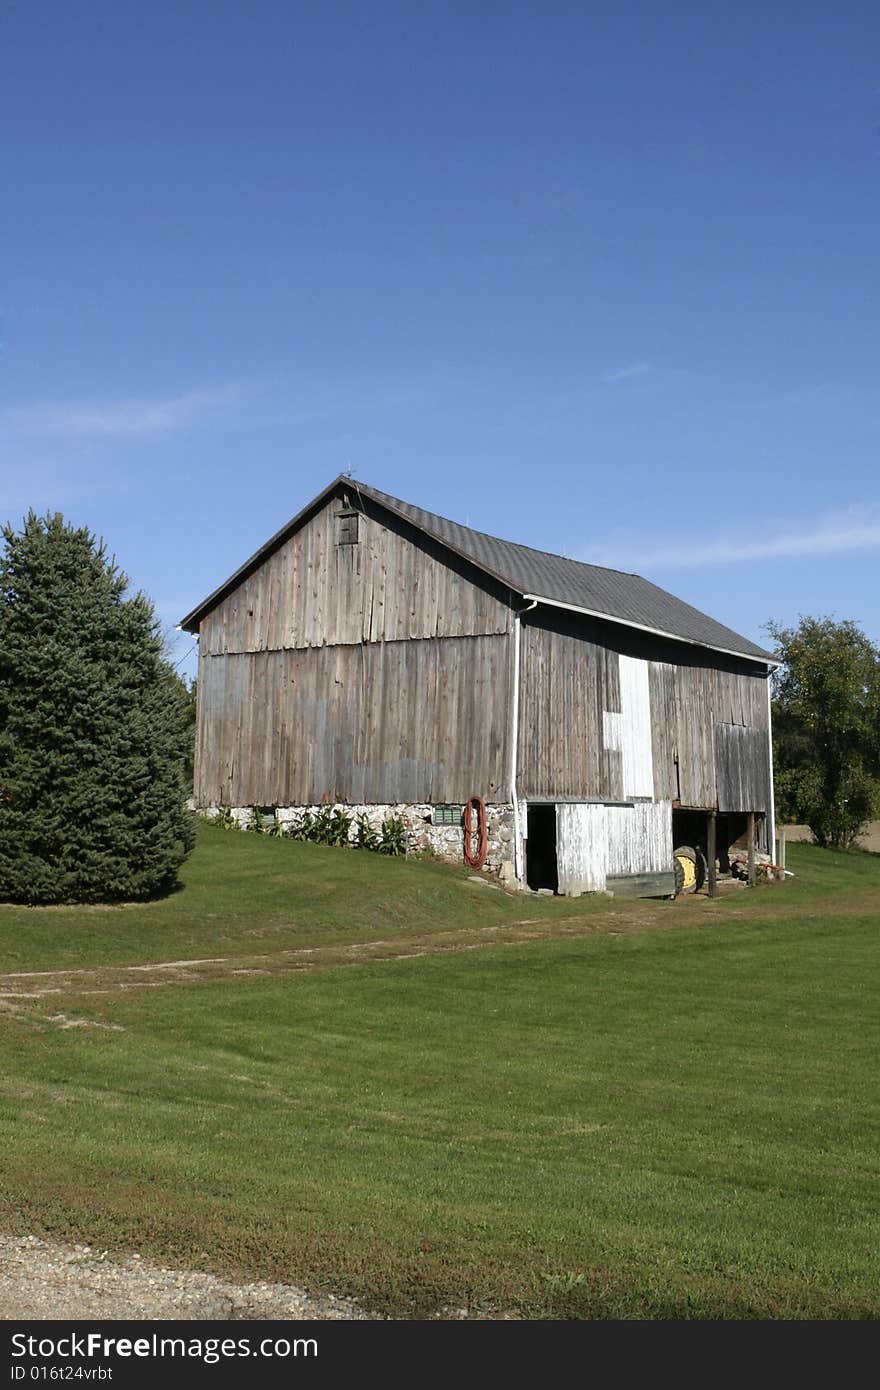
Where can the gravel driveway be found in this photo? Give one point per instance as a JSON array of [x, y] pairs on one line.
[[40, 1279]]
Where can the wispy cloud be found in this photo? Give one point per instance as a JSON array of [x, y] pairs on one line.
[[120, 418], [855, 529], [629, 372], [280, 399]]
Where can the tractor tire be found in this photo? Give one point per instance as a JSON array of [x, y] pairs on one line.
[[678, 874], [689, 867]]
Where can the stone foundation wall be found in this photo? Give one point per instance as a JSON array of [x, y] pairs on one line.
[[446, 841]]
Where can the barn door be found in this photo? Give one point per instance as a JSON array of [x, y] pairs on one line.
[[742, 767], [581, 848]]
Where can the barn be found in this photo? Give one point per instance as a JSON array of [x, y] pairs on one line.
[[375, 655]]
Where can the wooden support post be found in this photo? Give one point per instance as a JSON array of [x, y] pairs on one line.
[[711, 853], [751, 829]]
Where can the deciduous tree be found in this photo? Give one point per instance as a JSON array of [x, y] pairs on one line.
[[826, 728]]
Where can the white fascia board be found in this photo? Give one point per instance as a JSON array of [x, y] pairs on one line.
[[655, 631]]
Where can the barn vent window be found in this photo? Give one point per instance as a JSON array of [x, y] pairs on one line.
[[347, 526]]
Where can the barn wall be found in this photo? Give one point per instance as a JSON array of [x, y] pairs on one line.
[[566, 683], [612, 715], [419, 721], [392, 585]]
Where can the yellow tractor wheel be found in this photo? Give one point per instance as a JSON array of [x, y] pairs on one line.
[[689, 867]]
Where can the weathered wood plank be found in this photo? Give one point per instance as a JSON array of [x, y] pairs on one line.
[[642, 885], [596, 844], [393, 585], [742, 767], [397, 721], [581, 848], [604, 714], [639, 838]]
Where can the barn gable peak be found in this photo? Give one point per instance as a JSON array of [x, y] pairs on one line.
[[529, 574]]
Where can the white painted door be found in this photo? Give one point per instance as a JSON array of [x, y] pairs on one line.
[[581, 848]]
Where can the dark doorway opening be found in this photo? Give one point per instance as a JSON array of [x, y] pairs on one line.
[[541, 869], [689, 828]]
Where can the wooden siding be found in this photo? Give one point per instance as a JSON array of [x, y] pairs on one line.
[[565, 685], [705, 696], [662, 682], [575, 672], [419, 721], [381, 672], [639, 838], [742, 768], [581, 849], [394, 584], [596, 843]]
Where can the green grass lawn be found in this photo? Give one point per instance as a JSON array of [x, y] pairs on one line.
[[246, 893], [618, 1121]]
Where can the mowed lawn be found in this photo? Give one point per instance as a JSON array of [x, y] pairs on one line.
[[604, 1119], [244, 894]]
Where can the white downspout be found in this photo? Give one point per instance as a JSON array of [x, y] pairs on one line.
[[771, 827], [514, 741]]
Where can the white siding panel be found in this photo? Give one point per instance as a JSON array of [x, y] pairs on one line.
[[639, 838], [635, 728], [595, 843], [581, 841], [611, 730]]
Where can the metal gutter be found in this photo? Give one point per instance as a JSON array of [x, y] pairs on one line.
[[514, 741], [771, 809]]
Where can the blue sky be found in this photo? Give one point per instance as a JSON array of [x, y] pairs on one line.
[[599, 278]]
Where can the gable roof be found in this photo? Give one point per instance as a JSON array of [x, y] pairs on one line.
[[533, 574]]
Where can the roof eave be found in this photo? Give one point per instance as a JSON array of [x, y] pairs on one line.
[[765, 660]]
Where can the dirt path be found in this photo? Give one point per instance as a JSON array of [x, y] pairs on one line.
[[23, 990], [48, 996], [41, 1279]]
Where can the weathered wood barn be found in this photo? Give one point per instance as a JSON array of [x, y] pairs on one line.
[[376, 655]]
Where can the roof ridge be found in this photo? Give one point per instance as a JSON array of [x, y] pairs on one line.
[[502, 540]]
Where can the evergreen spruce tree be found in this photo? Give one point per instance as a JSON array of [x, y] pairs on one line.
[[93, 727]]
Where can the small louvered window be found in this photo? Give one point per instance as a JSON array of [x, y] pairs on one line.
[[447, 815]]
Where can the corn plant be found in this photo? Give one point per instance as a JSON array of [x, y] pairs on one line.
[[303, 828], [365, 836], [392, 836], [322, 826], [339, 829]]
